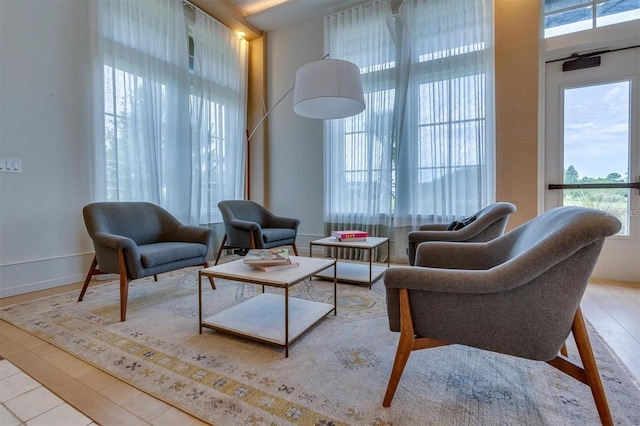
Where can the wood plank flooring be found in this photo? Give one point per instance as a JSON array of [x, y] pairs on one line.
[[98, 395], [612, 307]]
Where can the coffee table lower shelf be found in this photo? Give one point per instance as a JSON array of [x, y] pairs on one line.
[[262, 318], [352, 272]]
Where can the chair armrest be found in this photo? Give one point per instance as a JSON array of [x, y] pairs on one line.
[[281, 222], [112, 241], [245, 225], [434, 227], [502, 278], [439, 280], [420, 236], [476, 267], [455, 255], [194, 234]]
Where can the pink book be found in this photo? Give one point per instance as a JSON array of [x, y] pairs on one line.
[[350, 234]]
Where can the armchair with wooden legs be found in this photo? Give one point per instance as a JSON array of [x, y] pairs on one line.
[[485, 225], [248, 225], [518, 294], [137, 240]]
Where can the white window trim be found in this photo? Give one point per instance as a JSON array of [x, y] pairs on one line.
[[616, 36]]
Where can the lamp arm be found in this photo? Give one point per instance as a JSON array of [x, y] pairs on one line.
[[269, 112], [273, 107]]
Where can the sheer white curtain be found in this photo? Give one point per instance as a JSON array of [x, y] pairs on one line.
[[166, 131], [358, 150], [218, 105], [446, 111], [423, 150], [143, 109]]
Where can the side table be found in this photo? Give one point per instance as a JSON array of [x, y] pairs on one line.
[[353, 272]]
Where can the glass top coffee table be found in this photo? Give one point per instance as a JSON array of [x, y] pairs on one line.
[[270, 318]]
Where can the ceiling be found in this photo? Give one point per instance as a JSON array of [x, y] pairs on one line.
[[270, 15], [253, 17], [254, 6]]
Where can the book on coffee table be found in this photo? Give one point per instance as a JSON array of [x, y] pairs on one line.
[[267, 257], [350, 235], [275, 267]]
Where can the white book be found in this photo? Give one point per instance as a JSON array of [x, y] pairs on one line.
[[275, 267]]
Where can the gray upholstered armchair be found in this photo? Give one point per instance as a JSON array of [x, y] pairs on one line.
[[137, 240], [518, 294], [487, 224], [248, 225]]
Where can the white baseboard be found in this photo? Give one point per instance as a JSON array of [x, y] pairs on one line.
[[43, 274]]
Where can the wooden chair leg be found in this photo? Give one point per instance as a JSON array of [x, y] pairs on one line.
[[590, 368], [124, 286], [405, 346], [588, 372], [92, 272], [222, 245], [563, 350], [295, 249], [213, 285], [155, 277], [407, 343]]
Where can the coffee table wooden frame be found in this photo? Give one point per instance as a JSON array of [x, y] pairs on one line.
[[260, 318], [352, 272]]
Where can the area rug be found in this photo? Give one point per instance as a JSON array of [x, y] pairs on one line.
[[336, 374]]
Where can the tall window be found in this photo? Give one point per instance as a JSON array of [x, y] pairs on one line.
[[423, 149], [569, 16], [218, 111], [359, 149], [172, 116]]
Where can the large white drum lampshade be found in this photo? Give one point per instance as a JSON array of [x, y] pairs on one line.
[[328, 89]]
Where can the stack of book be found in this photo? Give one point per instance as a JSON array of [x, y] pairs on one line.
[[273, 259], [351, 235]]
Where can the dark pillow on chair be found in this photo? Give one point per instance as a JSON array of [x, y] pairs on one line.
[[459, 224]]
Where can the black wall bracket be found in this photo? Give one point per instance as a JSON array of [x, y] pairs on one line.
[[581, 63]]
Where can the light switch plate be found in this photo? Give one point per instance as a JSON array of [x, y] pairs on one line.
[[10, 165]]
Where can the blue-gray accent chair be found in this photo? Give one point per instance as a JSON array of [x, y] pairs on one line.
[[489, 223], [248, 225], [518, 294], [139, 239]]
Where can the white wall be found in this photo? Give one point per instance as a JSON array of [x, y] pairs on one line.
[[45, 121], [295, 153]]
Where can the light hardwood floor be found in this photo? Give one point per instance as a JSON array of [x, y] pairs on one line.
[[612, 307]]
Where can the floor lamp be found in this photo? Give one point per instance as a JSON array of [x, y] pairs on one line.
[[325, 89]]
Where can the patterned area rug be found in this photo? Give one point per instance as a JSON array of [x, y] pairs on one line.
[[335, 374]]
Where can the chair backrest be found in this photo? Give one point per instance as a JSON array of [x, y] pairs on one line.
[[242, 209], [490, 222], [552, 256], [143, 222], [561, 230]]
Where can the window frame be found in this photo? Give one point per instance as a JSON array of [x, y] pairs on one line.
[[594, 23]]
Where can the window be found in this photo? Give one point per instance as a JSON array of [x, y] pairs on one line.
[[173, 108], [124, 97], [597, 147], [367, 149], [569, 16], [218, 109], [422, 151], [451, 141]]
